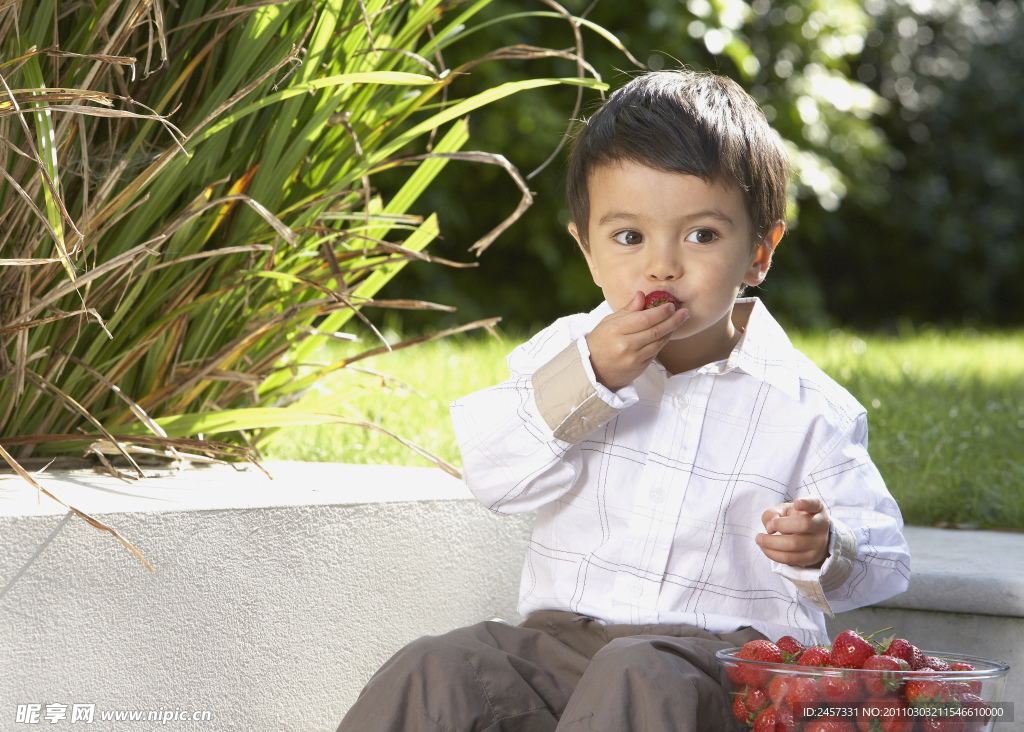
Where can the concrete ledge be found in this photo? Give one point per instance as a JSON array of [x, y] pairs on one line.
[[964, 572], [272, 602]]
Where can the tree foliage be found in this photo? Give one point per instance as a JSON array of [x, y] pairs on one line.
[[903, 120]]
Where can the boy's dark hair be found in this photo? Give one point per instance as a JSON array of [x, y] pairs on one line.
[[684, 122]]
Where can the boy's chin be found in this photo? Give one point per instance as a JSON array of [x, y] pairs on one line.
[[683, 332]]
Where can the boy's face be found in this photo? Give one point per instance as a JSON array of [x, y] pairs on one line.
[[652, 230]]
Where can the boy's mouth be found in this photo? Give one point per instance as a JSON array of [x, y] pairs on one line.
[[659, 297]]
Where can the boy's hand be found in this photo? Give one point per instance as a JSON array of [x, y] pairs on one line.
[[797, 533], [624, 343]]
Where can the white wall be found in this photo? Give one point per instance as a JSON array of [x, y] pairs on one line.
[[272, 601]]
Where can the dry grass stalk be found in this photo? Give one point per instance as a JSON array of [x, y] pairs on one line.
[[155, 284]]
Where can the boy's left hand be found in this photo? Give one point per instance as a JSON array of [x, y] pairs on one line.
[[797, 533]]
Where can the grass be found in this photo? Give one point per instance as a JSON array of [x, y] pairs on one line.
[[946, 413]]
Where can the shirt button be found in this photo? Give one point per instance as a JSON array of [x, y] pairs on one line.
[[681, 402], [638, 587], [657, 495]]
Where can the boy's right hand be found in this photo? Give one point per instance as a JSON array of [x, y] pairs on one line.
[[623, 345]]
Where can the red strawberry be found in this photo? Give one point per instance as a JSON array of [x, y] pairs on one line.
[[921, 690], [803, 695], [765, 721], [841, 691], [777, 688], [814, 656], [884, 714], [658, 297], [757, 699], [850, 649], [917, 661], [830, 724], [936, 664], [975, 685], [942, 724], [789, 645], [739, 709], [979, 715], [786, 720], [758, 650], [900, 648], [887, 679]]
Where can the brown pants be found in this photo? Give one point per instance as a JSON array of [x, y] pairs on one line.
[[558, 670]]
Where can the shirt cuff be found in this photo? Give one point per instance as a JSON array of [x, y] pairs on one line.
[[569, 398], [834, 571]]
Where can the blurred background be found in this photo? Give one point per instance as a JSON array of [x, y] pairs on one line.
[[905, 122]]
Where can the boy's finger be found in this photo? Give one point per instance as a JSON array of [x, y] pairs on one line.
[[631, 322], [809, 504], [661, 333], [773, 513], [799, 523], [635, 305]]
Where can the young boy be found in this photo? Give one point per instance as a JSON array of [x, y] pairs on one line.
[[697, 481]]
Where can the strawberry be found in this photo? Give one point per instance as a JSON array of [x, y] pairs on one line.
[[739, 708], [899, 648], [942, 724], [841, 691], [830, 724], [975, 686], [777, 688], [757, 699], [758, 650], [936, 664], [765, 721], [786, 720], [789, 646], [917, 662], [886, 680], [980, 712], [658, 297], [920, 690], [850, 649], [803, 695], [814, 656], [957, 689], [884, 714], [735, 672]]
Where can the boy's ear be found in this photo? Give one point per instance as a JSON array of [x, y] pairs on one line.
[[586, 252], [763, 256]]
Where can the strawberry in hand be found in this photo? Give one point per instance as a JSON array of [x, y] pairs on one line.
[[659, 297]]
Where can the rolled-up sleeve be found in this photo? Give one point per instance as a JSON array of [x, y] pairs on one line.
[[520, 439], [869, 560]]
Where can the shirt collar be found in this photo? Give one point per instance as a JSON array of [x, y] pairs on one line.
[[764, 352]]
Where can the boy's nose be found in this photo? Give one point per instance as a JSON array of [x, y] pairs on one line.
[[663, 263]]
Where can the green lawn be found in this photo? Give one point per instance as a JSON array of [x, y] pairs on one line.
[[946, 413]]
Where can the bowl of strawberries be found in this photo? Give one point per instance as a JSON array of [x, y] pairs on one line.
[[861, 685]]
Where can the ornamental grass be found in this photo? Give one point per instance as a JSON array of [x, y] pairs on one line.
[[188, 210]]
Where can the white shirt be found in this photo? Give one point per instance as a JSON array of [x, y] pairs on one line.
[[648, 499]]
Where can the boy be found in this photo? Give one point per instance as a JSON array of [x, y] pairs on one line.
[[654, 444]]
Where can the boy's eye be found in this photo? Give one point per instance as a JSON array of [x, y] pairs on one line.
[[702, 236], [629, 237]]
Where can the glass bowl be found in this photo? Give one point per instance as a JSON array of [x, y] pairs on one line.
[[852, 699]]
